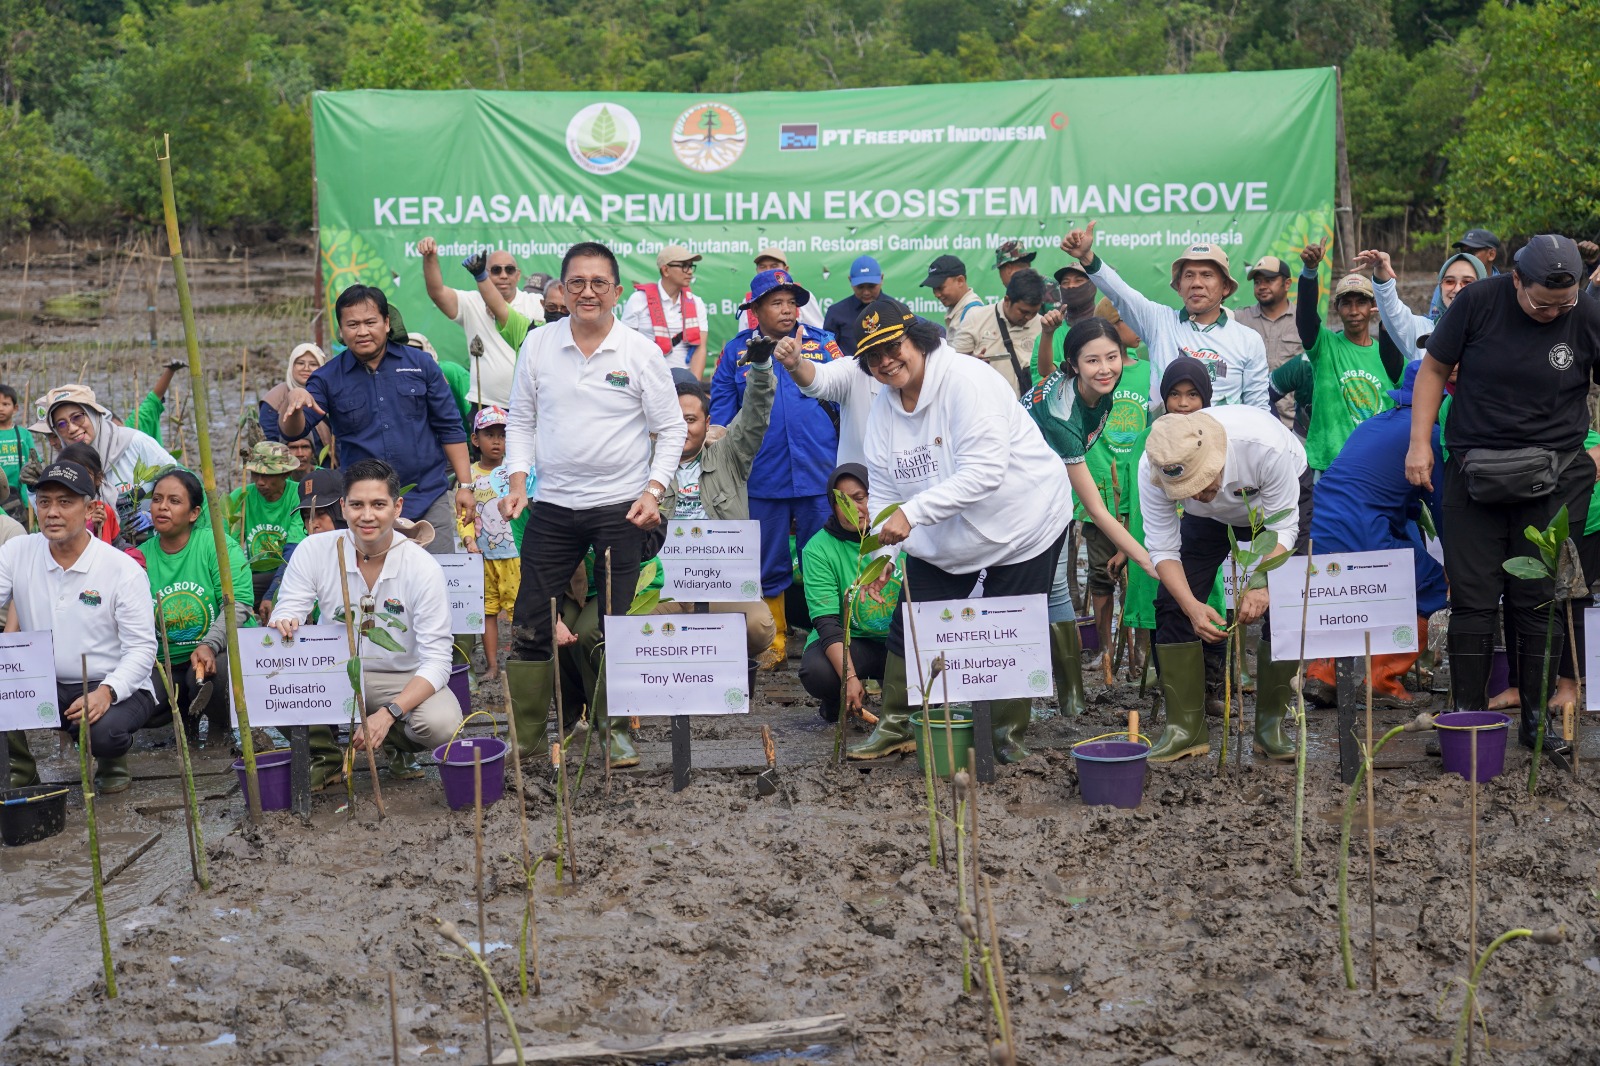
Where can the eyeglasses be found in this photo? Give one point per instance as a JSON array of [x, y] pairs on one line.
[[598, 286], [503, 269], [683, 266], [886, 352], [81, 420], [1534, 305]]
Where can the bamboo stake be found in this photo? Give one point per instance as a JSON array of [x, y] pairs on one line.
[[1300, 719], [934, 834], [1472, 860], [85, 754], [527, 863], [394, 1024], [198, 390], [477, 848], [561, 763], [1372, 831], [191, 806], [360, 686]]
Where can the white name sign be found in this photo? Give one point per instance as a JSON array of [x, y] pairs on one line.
[[463, 581], [677, 664], [28, 681], [299, 682], [1352, 595], [994, 648], [711, 562]]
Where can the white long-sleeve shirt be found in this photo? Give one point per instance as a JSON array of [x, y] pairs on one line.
[[411, 587], [970, 468], [841, 381], [1407, 329], [1232, 352], [587, 421], [98, 607], [1265, 461]]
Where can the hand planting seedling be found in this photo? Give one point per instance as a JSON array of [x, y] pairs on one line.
[[872, 570], [1543, 567]]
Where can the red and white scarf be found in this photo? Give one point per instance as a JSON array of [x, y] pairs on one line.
[[694, 325]]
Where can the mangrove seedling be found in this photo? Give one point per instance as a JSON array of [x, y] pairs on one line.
[[1553, 935], [85, 754], [1252, 565], [191, 803], [1418, 724], [870, 567], [1542, 567], [448, 931]]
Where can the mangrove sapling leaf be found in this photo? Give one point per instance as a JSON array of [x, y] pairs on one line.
[[874, 570], [1548, 541], [870, 543], [1425, 522], [645, 602], [406, 489], [1273, 519], [1246, 557], [382, 639], [352, 670], [265, 564], [879, 518], [1526, 568]]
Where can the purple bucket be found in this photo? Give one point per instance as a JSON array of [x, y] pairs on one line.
[[1111, 772], [1499, 673], [272, 770], [455, 769], [461, 686], [1088, 633], [1456, 730]]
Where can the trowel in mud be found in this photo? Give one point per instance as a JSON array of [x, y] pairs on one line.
[[767, 780]]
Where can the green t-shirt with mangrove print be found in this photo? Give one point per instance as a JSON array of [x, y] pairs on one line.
[[831, 566], [1117, 446], [269, 526], [1351, 387], [191, 583]]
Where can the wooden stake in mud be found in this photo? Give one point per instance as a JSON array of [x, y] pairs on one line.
[[198, 389], [357, 685], [394, 1024], [527, 857], [191, 805], [561, 763], [85, 756], [477, 849], [1372, 831], [1300, 719], [1472, 855]]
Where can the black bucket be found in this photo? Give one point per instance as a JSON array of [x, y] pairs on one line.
[[31, 814]]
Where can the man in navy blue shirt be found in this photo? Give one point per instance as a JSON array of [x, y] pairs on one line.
[[844, 318], [385, 401]]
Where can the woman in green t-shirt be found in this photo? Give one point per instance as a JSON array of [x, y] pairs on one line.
[[185, 579], [832, 564]]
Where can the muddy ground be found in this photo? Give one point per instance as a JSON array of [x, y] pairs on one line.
[[1174, 933]]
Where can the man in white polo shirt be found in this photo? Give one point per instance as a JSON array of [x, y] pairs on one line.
[[589, 394], [95, 601], [389, 575], [465, 307], [1219, 464], [668, 314], [1232, 352]]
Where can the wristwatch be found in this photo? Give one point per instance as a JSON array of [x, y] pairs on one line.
[[659, 494], [394, 711]]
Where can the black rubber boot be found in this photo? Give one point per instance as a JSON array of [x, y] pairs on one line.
[[1471, 658], [1531, 670], [1183, 686], [1066, 662]]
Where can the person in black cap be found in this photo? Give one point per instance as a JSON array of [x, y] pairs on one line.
[[1525, 349], [947, 277], [95, 601], [1483, 244]]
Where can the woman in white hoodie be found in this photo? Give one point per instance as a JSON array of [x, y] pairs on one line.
[[977, 487]]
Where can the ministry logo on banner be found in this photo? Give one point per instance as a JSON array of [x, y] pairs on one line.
[[709, 137], [603, 138]]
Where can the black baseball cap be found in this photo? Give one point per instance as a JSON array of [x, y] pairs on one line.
[[1474, 239], [1550, 260], [322, 489], [71, 476], [946, 266]]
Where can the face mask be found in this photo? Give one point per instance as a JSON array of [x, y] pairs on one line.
[[553, 316], [1079, 301]]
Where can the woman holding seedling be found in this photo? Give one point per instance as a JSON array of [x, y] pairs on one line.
[[1071, 408], [975, 489]]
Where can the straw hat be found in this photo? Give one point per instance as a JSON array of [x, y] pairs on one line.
[[1186, 453], [82, 395], [1205, 253]]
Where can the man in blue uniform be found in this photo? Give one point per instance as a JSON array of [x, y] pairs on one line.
[[789, 480]]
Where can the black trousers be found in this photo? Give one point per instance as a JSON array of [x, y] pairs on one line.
[[1203, 550], [822, 681], [217, 708], [1027, 578], [1480, 537], [112, 735], [556, 540]]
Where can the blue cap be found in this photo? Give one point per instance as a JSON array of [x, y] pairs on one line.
[[1408, 381], [768, 280], [866, 271]]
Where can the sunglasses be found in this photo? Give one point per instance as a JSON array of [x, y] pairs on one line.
[[499, 270]]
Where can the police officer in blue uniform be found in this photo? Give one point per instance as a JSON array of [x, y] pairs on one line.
[[789, 480]]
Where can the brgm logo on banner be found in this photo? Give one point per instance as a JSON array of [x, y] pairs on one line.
[[709, 137], [798, 136], [603, 138]]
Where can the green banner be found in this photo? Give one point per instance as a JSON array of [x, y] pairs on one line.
[[902, 174]]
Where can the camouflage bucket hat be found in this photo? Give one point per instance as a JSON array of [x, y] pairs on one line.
[[271, 457], [1012, 252]]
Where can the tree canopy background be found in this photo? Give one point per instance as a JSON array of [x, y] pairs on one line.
[[1457, 112]]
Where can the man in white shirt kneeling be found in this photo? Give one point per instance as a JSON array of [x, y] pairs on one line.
[[95, 601], [389, 574]]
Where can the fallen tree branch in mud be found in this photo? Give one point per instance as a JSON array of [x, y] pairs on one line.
[[758, 1036], [110, 876]]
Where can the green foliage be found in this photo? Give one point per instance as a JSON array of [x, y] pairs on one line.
[[42, 185], [1526, 159]]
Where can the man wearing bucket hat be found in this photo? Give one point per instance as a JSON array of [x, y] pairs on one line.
[[1010, 258], [1363, 502], [95, 601], [1218, 464], [1353, 375], [671, 316], [788, 484], [264, 516], [1202, 328], [771, 257], [390, 579]]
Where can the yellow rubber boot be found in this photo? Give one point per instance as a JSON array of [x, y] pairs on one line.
[[776, 657]]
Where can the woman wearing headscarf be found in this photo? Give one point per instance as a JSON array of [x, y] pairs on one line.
[[1411, 331], [72, 415], [303, 362], [833, 563], [977, 490]]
